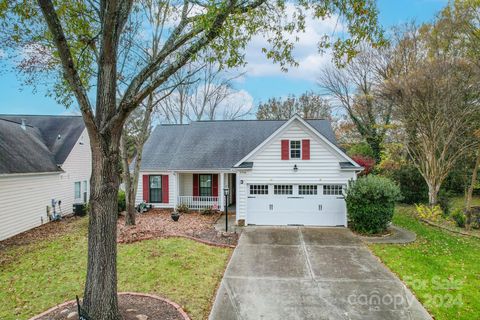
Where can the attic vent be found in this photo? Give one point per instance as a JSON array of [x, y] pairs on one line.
[[24, 124]]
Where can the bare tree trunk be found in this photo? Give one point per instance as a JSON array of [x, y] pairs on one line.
[[433, 189], [127, 180], [468, 202], [100, 296]]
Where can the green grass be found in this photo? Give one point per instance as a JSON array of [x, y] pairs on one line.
[[441, 268], [36, 277]]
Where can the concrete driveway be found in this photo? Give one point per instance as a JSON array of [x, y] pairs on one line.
[[309, 273]]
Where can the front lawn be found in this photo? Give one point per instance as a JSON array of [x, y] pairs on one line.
[[440, 267], [37, 276]]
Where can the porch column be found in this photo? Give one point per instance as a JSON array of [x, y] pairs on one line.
[[176, 178], [221, 199]]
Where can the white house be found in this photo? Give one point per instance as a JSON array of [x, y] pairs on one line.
[[277, 172], [42, 158]]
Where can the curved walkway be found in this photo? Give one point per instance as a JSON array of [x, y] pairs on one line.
[[398, 236], [310, 273]]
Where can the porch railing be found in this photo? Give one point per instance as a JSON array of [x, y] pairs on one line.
[[198, 202]]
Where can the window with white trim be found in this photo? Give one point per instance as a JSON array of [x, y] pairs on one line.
[[280, 189], [295, 149], [307, 189], [78, 192], [333, 190], [259, 189]]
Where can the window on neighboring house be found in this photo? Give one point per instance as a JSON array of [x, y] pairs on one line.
[[295, 149], [155, 189], [307, 189], [282, 189], [333, 190], [85, 191], [259, 189], [78, 191], [205, 185]]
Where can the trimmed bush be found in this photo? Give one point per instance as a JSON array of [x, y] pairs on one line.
[[122, 205], [370, 203]]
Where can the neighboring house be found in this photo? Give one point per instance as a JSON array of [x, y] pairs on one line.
[[41, 158], [278, 172]]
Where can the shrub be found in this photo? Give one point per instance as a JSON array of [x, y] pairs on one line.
[[183, 208], [445, 202], [412, 185], [429, 213], [459, 217], [370, 203], [366, 162], [122, 205], [208, 211]]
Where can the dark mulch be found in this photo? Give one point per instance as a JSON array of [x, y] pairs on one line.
[[157, 223], [130, 307], [44, 232]]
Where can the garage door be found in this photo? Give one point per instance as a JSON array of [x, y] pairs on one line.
[[285, 204]]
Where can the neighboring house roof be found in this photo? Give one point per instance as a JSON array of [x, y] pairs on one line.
[[45, 143], [212, 144]]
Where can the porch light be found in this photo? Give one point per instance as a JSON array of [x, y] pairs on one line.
[[225, 191], [295, 168]]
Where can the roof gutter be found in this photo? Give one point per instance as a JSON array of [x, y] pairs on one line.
[[27, 174]]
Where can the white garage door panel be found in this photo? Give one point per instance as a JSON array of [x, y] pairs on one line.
[[315, 210]]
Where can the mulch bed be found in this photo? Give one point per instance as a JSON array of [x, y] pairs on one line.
[[132, 307], [157, 223]]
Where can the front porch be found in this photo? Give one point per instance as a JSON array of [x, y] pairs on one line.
[[204, 190]]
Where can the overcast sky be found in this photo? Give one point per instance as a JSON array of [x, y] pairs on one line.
[[262, 79]]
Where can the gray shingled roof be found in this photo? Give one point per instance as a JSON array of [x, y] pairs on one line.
[[45, 144], [211, 144]]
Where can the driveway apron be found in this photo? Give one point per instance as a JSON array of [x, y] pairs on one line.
[[309, 273]]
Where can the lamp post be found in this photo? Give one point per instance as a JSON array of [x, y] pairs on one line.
[[225, 193]]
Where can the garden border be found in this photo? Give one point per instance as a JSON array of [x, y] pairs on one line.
[[433, 224], [138, 294], [176, 235]]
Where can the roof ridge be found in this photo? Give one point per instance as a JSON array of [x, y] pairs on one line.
[[16, 122]]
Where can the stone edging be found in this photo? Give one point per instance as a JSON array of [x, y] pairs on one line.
[[175, 235], [175, 305], [433, 224]]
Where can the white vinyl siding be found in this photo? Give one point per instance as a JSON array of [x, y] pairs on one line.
[[268, 168], [24, 198]]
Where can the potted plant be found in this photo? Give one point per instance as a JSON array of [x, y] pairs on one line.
[[175, 216]]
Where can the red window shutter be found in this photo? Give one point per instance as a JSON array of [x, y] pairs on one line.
[[285, 149], [215, 185], [196, 190], [146, 188], [306, 149], [165, 189]]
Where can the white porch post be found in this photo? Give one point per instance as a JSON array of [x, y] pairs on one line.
[[176, 177], [221, 197]]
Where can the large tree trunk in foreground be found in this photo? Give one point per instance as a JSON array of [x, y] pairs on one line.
[[100, 296]]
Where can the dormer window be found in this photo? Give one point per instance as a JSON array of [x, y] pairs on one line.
[[295, 149]]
